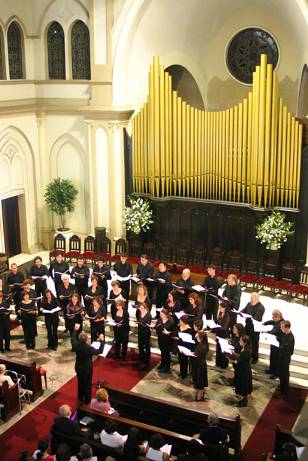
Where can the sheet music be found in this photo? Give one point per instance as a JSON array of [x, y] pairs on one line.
[[41, 277], [186, 351], [106, 349], [96, 344], [211, 324], [178, 314], [269, 339], [135, 279], [240, 319], [52, 311], [299, 451], [259, 327], [123, 279], [166, 449], [161, 280], [11, 308], [225, 346], [186, 338], [150, 280], [198, 288]]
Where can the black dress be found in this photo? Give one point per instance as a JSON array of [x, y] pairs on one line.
[[63, 295], [162, 288], [184, 359], [274, 354], [144, 335], [199, 368], [115, 297], [5, 334], [56, 271], [97, 328], [103, 274], [121, 333], [88, 298], [257, 312], [243, 374], [51, 322], [186, 285], [223, 332], [286, 349], [81, 276], [165, 343], [74, 316], [124, 270], [28, 321]]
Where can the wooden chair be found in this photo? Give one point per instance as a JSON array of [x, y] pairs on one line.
[[74, 249], [289, 272], [166, 251], [59, 245], [105, 245], [120, 246], [89, 250], [135, 247], [234, 260], [252, 266], [198, 255], [182, 254], [217, 257]]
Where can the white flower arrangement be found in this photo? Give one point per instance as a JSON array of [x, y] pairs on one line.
[[138, 216], [274, 230]]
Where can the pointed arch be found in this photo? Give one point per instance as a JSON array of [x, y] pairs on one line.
[[56, 51], [80, 51], [15, 44]]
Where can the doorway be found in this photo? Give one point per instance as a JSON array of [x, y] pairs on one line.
[[11, 226]]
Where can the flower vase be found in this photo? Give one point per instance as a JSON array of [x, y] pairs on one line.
[[273, 247]]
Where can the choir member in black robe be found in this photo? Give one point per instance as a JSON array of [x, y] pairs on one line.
[[124, 269], [64, 293], [102, 271], [74, 312], [145, 270], [224, 320], [48, 304], [274, 354], [199, 365], [184, 287], [83, 364], [184, 327], [39, 273], [233, 292], [173, 304], [163, 284], [256, 309], [238, 330], [144, 319], [286, 349], [212, 284], [194, 309], [57, 268], [94, 290], [15, 279], [165, 330], [97, 314], [242, 372], [27, 310], [81, 274], [121, 329], [5, 335], [142, 296]]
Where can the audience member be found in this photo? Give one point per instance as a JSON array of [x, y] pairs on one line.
[[154, 452], [101, 402], [63, 453], [213, 434], [110, 437], [133, 446], [4, 377], [63, 422], [42, 451], [86, 453]]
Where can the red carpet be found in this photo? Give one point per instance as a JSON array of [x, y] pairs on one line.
[[36, 424], [262, 438]]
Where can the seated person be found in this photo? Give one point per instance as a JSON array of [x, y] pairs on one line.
[[101, 402], [42, 451], [63, 453], [155, 452], [133, 447], [195, 452], [86, 453], [213, 434], [4, 377], [110, 437], [63, 423]]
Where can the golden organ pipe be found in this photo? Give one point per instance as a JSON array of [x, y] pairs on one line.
[[249, 153]]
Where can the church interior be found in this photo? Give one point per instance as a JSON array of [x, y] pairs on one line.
[[155, 145]]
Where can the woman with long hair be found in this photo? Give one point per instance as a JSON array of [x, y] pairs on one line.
[[97, 314], [94, 290], [194, 309], [142, 296], [184, 327], [242, 372], [121, 329], [199, 365], [144, 319], [165, 331], [74, 312], [224, 320], [50, 308]]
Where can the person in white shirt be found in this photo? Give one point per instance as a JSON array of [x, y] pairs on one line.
[[110, 437], [4, 377]]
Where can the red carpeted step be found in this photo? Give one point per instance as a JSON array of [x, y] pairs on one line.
[[36, 424]]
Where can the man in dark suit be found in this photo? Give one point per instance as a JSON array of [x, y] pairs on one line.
[[83, 364], [64, 424]]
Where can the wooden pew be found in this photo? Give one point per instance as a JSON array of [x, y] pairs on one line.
[[31, 372], [9, 399], [178, 441], [283, 436], [171, 416]]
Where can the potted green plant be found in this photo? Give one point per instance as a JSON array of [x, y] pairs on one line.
[[60, 197], [274, 230], [138, 215]]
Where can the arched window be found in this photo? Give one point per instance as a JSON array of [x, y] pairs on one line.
[[2, 62], [15, 51], [81, 52], [56, 51]]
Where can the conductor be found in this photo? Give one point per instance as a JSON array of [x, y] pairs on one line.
[[83, 364]]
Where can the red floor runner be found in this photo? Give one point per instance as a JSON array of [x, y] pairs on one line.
[[285, 413], [36, 424]]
